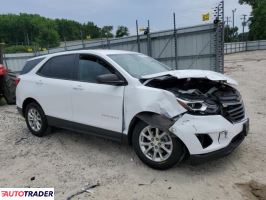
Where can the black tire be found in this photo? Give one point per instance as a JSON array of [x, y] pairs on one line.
[[44, 125], [177, 154], [9, 90]]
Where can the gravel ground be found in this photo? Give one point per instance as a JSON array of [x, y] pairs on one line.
[[70, 162]]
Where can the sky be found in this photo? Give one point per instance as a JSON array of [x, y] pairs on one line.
[[125, 12]]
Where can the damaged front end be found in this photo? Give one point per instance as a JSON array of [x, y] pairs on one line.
[[201, 96], [215, 120]]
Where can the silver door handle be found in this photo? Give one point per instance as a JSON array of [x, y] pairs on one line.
[[79, 88], [39, 82]]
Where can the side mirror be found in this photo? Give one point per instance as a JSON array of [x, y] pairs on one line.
[[111, 79]]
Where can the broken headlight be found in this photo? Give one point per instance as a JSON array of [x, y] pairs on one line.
[[200, 107]]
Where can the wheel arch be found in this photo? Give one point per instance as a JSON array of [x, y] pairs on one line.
[[26, 102], [154, 119]]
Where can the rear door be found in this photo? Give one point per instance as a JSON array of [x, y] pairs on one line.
[[97, 105], [55, 83]]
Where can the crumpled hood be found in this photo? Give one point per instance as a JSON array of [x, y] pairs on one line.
[[193, 73]]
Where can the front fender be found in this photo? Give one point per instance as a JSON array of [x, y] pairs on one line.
[[140, 99]]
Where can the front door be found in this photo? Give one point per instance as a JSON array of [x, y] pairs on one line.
[[97, 105]]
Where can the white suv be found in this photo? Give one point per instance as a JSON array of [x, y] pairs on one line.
[[126, 96]]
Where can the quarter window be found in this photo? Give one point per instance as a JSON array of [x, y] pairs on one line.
[[30, 65], [61, 67]]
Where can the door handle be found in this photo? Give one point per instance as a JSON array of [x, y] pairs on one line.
[[39, 82], [78, 88]]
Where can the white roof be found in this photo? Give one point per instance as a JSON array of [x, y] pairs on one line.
[[96, 51]]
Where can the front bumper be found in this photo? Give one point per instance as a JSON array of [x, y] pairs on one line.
[[225, 136], [236, 141]]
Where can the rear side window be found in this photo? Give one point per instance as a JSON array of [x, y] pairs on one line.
[[30, 65], [61, 67]]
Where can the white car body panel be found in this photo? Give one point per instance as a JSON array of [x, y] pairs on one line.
[[56, 104], [188, 126], [103, 103], [146, 99], [194, 73]]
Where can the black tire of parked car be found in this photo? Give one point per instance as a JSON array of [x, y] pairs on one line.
[[44, 124], [176, 156], [9, 90]]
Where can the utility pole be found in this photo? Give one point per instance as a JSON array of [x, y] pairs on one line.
[[227, 27], [227, 21], [233, 11], [243, 25]]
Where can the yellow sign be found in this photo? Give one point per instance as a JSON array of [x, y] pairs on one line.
[[142, 29], [206, 17]]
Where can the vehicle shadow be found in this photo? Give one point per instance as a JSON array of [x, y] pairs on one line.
[[78, 144]]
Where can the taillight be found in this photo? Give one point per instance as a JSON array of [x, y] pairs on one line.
[[3, 70], [17, 81]]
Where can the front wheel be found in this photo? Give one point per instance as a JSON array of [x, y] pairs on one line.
[[158, 149], [36, 119]]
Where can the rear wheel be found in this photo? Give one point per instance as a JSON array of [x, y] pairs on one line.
[[156, 148], [36, 119]]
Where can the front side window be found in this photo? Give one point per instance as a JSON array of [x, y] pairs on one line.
[[138, 65], [90, 67], [61, 67]]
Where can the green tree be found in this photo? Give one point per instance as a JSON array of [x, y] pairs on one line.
[[68, 29], [122, 31], [91, 30], [230, 34], [26, 29], [257, 20], [253, 3], [107, 31]]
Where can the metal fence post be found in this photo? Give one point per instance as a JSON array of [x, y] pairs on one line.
[[107, 43], [82, 39], [175, 39], [138, 42], [222, 49], [149, 50]]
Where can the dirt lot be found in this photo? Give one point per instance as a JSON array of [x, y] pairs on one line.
[[70, 162]]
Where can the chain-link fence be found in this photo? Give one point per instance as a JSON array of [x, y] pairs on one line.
[[235, 47]]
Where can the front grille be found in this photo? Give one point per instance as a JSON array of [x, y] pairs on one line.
[[233, 107], [235, 113]]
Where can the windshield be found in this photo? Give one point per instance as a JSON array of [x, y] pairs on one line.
[[138, 65]]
